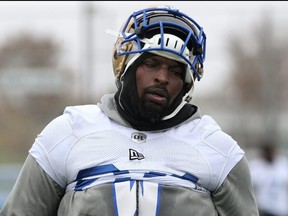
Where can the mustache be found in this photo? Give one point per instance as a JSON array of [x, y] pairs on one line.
[[158, 89]]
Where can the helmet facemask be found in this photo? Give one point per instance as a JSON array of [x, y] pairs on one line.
[[165, 32]]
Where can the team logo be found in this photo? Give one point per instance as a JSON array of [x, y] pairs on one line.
[[134, 155], [138, 137]]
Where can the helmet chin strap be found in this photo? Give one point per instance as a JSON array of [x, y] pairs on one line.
[[187, 99]]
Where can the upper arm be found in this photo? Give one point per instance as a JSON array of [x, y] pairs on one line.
[[34, 193], [236, 196]]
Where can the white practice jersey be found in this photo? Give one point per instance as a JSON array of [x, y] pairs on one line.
[[83, 149]]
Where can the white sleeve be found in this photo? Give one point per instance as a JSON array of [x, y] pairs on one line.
[[224, 154], [48, 152]]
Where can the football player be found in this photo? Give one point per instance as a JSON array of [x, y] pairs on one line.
[[144, 150]]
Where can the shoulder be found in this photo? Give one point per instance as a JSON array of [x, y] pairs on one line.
[[86, 118], [53, 144], [216, 138], [74, 123], [220, 150], [209, 133], [79, 112], [72, 119]]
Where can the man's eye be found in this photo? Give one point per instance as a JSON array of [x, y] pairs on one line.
[[150, 65], [176, 72]]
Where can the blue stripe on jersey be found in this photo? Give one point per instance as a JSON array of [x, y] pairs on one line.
[[82, 183], [88, 176], [119, 199], [132, 184], [122, 179], [188, 176], [158, 200], [142, 187], [153, 174], [114, 200], [99, 170]]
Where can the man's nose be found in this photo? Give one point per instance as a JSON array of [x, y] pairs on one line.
[[162, 75]]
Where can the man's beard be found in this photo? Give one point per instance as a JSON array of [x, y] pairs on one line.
[[150, 110]]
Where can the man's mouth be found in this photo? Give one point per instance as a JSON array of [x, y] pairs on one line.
[[158, 96]]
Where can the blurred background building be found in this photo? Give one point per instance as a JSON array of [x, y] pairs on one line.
[[57, 54]]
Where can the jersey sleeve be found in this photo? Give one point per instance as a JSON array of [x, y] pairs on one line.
[[222, 152], [236, 195], [34, 193], [52, 145]]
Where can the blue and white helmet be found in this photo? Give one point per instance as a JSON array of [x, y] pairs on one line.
[[164, 31]]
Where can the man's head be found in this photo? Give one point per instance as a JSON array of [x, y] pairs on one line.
[[164, 33]]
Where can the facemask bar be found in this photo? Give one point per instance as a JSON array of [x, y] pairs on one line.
[[199, 40]]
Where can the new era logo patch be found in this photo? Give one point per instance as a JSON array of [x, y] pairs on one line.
[[134, 155]]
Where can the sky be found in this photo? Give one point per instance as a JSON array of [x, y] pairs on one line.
[[65, 22]]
